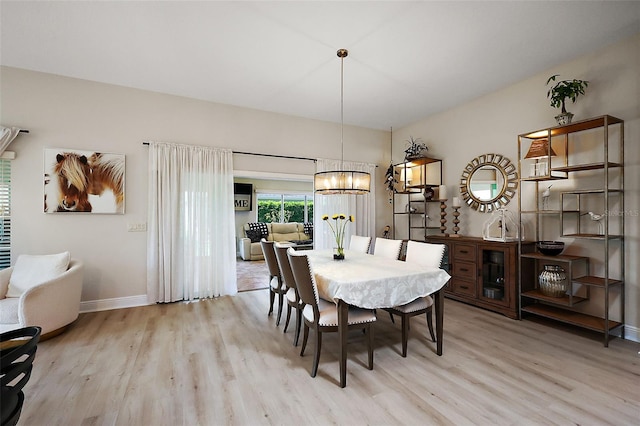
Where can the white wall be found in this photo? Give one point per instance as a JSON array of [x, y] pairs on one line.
[[492, 123], [64, 112]]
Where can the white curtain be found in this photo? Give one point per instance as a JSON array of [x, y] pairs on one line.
[[190, 240], [7, 134], [362, 207]]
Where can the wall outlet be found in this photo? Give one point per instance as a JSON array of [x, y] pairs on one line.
[[137, 227]]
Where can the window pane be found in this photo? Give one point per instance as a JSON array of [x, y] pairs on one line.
[[269, 207], [310, 208], [294, 208]]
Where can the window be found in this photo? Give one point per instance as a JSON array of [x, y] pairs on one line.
[[5, 213], [285, 208]]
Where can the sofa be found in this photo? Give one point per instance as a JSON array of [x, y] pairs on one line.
[[293, 232], [41, 290]]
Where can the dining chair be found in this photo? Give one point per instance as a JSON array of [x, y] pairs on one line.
[[360, 244], [276, 285], [322, 316], [425, 254], [293, 299], [387, 248]]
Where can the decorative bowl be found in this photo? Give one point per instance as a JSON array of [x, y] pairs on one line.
[[550, 248]]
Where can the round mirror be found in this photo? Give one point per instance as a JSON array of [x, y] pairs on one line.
[[488, 182]]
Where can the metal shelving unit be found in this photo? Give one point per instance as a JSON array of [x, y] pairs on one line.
[[560, 155], [414, 216]]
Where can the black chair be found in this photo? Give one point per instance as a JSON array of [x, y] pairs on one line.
[[17, 351]]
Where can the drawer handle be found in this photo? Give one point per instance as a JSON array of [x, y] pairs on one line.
[[464, 287], [464, 251], [464, 269]]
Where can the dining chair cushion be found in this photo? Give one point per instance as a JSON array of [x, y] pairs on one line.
[[416, 305], [360, 244], [329, 314], [274, 283], [387, 248], [33, 270], [291, 295], [426, 254]]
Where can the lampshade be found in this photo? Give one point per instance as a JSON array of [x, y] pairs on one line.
[[540, 148], [342, 181]]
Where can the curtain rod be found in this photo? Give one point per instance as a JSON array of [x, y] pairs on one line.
[[265, 155], [268, 155]]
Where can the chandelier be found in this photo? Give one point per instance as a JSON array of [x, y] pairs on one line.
[[342, 181]]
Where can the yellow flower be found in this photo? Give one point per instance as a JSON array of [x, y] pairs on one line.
[[342, 216], [351, 218], [334, 217], [325, 216]]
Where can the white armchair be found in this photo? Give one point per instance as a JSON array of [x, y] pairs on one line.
[[51, 302]]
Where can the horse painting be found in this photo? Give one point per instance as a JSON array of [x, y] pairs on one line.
[[82, 181], [73, 174], [107, 173]]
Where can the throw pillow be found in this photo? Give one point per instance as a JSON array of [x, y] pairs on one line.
[[308, 229], [259, 226], [254, 235], [32, 270]]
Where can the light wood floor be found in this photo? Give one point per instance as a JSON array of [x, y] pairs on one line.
[[223, 361]]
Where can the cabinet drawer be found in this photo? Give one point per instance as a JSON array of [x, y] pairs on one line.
[[464, 270], [464, 252], [467, 288]]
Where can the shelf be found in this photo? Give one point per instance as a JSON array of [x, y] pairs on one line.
[[542, 178], [558, 258], [596, 281], [551, 212], [592, 191], [576, 126], [575, 318], [592, 236], [582, 167], [563, 301]]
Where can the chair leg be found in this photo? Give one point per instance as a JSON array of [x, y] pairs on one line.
[[305, 337], [316, 353], [298, 324], [430, 324], [272, 297], [370, 333], [286, 322], [280, 301], [391, 316], [405, 334]]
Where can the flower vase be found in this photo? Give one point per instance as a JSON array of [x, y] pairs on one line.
[[338, 253]]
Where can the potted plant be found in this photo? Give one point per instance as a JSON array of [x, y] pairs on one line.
[[562, 90]]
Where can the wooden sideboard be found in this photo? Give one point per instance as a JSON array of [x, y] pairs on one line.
[[483, 273]]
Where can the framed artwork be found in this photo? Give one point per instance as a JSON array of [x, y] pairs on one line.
[[242, 193], [83, 181]]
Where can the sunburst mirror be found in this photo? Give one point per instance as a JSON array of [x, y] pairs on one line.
[[488, 182]]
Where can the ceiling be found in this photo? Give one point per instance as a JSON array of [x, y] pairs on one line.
[[407, 60]]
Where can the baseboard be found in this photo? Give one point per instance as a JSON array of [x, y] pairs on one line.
[[115, 303], [630, 333]]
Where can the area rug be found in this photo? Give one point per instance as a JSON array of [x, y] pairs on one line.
[[252, 274]]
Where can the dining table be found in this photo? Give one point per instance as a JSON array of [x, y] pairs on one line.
[[374, 282]]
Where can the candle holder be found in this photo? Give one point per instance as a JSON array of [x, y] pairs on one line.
[[443, 217], [456, 221]]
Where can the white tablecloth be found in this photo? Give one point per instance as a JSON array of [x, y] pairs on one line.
[[371, 281]]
